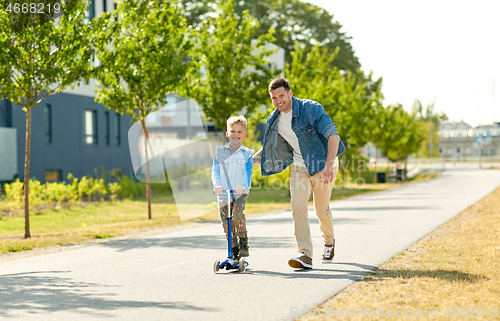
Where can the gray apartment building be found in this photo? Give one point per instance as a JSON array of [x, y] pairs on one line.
[[71, 133]]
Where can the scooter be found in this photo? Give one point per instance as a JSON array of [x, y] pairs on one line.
[[230, 264]]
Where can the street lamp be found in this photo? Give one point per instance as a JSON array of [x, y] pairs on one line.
[[479, 92]]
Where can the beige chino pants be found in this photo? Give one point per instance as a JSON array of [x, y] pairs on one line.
[[301, 186]]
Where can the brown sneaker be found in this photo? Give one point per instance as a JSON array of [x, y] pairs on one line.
[[244, 247], [329, 253], [302, 261]]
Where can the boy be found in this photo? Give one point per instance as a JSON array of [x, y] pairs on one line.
[[232, 169]]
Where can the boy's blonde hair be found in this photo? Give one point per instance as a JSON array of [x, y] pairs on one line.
[[237, 119]]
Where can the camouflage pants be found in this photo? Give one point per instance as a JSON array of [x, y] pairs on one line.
[[238, 222]]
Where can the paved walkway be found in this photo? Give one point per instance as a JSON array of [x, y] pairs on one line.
[[170, 277]]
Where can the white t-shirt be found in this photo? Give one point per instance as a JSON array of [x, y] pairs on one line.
[[285, 130]]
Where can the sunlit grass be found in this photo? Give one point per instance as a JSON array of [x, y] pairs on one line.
[[458, 266]]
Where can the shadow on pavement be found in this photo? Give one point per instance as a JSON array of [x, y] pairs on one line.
[[43, 292], [199, 242], [312, 219], [383, 208], [338, 274]]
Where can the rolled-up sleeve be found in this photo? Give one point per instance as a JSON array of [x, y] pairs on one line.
[[323, 122], [247, 179], [216, 172]]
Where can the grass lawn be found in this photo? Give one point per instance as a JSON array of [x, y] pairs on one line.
[[105, 220], [454, 273]]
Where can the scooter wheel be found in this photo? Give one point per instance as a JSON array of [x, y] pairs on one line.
[[242, 265], [216, 266]]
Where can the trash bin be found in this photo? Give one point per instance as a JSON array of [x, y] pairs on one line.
[[381, 177], [399, 174]]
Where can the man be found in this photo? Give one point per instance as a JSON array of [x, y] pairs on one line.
[[300, 132]]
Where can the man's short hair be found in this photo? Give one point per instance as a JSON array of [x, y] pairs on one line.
[[237, 119], [277, 83]]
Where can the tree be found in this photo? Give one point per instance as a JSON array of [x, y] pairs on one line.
[[305, 23], [386, 132], [410, 137], [361, 110], [293, 20], [399, 134], [41, 56], [148, 59], [235, 68], [349, 99], [431, 122]]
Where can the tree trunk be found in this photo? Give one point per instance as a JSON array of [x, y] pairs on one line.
[[359, 161], [388, 168], [342, 170], [148, 184], [27, 233], [404, 170]]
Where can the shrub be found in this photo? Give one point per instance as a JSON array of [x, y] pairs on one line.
[[15, 196]]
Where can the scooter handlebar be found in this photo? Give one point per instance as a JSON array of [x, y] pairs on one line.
[[232, 191]]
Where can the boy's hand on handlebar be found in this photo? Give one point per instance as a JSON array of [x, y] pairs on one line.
[[218, 190], [240, 189]]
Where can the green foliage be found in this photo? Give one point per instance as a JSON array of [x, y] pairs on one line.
[[293, 20], [400, 134], [37, 194], [350, 99], [235, 73], [79, 190], [72, 191], [14, 192], [41, 57], [83, 187], [114, 190], [148, 59], [431, 122], [272, 181], [129, 188]]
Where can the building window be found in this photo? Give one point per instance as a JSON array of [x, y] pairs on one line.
[[90, 10], [47, 123], [90, 127], [104, 6], [458, 149], [53, 175], [117, 130], [106, 127]]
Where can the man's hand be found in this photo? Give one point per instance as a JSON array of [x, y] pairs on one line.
[[218, 189], [327, 175], [240, 189]]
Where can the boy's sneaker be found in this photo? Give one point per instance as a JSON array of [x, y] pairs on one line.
[[244, 247], [235, 251], [302, 261], [329, 253]]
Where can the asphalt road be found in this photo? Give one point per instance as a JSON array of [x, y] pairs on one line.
[[170, 277]]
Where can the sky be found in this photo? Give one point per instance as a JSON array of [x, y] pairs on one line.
[[442, 51]]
